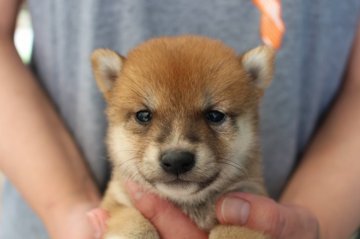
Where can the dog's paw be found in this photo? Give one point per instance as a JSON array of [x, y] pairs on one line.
[[134, 227], [134, 235], [235, 232], [125, 237], [115, 237]]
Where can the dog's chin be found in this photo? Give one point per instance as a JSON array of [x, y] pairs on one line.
[[178, 189], [184, 191]]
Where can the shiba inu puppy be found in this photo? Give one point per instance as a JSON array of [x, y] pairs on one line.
[[183, 123]]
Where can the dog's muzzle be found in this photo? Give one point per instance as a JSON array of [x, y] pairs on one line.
[[177, 162]]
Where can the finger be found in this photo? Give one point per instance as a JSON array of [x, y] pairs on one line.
[[264, 214], [170, 221], [98, 218]]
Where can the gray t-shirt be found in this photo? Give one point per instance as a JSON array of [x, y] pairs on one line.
[[310, 67]]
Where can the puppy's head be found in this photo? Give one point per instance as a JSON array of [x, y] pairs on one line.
[[182, 112]]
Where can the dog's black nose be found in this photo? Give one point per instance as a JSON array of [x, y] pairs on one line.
[[177, 162]]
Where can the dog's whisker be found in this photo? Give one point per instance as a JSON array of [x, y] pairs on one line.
[[233, 164]]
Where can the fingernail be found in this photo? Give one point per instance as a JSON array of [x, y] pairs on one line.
[[235, 210], [135, 191], [97, 235], [95, 224]]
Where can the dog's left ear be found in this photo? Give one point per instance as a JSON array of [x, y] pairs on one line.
[[106, 65], [259, 64]]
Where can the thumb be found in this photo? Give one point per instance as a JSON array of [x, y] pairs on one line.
[[170, 221], [264, 214]]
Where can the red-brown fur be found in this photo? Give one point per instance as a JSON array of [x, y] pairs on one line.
[[179, 79]]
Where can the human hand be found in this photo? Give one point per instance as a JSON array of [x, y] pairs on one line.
[[97, 218], [170, 222], [255, 212], [72, 223], [264, 214]]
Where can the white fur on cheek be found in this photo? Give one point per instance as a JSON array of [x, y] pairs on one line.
[[245, 138], [242, 143], [152, 155], [205, 158], [149, 167], [122, 150], [239, 149]]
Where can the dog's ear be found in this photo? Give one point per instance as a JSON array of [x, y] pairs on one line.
[[259, 64], [106, 65]]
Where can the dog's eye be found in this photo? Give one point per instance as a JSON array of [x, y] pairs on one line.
[[215, 117], [143, 116]]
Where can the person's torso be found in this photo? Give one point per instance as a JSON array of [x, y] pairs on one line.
[[310, 64]]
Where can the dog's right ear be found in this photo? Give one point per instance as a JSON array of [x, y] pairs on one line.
[[106, 65], [259, 63]]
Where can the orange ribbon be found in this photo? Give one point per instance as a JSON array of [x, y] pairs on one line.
[[272, 27]]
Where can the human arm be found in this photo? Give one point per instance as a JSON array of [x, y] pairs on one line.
[[327, 182], [37, 153]]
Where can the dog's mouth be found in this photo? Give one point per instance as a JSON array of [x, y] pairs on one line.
[[208, 182], [178, 183], [183, 187]]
